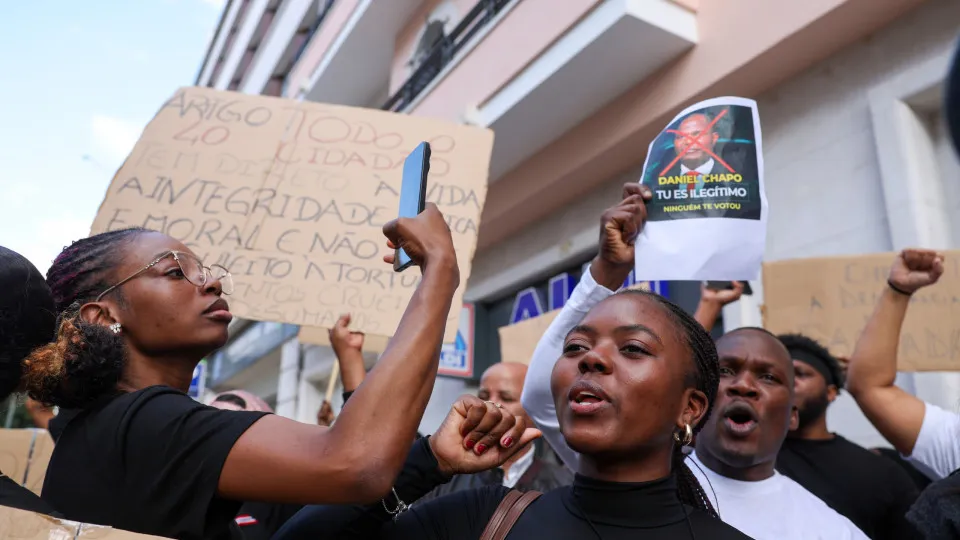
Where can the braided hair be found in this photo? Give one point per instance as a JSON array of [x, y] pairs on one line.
[[85, 361], [705, 378]]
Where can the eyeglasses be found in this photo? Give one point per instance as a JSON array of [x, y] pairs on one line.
[[192, 269]]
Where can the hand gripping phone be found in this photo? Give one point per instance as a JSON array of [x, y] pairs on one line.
[[413, 193]]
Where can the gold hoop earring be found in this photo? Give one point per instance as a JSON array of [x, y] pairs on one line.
[[687, 436]]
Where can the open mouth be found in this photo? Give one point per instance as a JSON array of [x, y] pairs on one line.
[[740, 419], [587, 397]]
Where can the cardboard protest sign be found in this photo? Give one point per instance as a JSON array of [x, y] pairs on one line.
[[708, 216], [22, 525], [291, 198], [830, 299], [518, 341], [24, 456], [321, 336]]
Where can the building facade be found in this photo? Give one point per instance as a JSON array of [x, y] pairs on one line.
[[856, 157]]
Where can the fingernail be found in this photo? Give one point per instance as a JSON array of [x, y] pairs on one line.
[[480, 449], [507, 441], [470, 443]]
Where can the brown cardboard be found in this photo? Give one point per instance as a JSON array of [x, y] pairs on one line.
[[15, 447], [518, 341], [830, 299], [24, 456], [39, 460], [291, 197], [372, 343], [22, 525]]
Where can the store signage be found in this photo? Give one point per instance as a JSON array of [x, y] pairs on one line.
[[528, 304], [456, 359], [198, 382]]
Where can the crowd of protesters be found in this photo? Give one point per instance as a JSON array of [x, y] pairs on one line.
[[630, 421]]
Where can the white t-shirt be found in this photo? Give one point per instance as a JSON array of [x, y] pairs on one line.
[[937, 451], [775, 509]]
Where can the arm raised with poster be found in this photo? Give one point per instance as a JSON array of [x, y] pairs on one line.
[[358, 458], [872, 369], [619, 228]]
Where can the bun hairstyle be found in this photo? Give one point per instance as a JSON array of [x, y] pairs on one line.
[[85, 361], [705, 378], [27, 316]]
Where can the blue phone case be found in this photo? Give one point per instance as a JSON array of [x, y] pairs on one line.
[[413, 193]]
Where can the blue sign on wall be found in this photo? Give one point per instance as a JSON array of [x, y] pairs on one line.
[[527, 304], [198, 382], [456, 359]]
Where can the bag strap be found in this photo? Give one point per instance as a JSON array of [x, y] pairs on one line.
[[507, 514]]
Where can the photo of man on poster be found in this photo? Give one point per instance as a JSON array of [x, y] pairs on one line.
[[695, 140], [704, 164]]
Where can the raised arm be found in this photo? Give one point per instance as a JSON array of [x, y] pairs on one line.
[[896, 414], [431, 462], [348, 347], [619, 228], [358, 458], [712, 302]]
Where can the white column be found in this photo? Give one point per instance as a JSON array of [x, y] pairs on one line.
[[288, 383]]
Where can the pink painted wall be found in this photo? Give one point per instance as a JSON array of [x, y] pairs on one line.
[[692, 5], [745, 48], [525, 32], [319, 45], [410, 34]]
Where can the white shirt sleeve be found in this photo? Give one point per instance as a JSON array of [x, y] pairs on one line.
[[537, 398], [937, 449]]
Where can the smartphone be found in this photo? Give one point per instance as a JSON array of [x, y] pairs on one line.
[[413, 193], [723, 285]]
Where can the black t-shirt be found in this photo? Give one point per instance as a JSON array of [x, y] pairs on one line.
[[57, 423], [148, 461], [259, 520], [588, 509], [16, 496], [871, 491]]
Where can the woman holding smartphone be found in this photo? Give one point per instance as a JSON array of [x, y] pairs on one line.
[[137, 312]]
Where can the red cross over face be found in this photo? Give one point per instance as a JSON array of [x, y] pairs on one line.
[[694, 140]]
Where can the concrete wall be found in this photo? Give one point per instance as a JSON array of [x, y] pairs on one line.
[[822, 168]]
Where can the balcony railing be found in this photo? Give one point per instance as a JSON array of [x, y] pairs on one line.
[[444, 51]]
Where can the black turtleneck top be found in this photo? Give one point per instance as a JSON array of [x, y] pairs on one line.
[[589, 509]]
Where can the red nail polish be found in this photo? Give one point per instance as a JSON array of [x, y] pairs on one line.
[[480, 448], [470, 444], [507, 442]]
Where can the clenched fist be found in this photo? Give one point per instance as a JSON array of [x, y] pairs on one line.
[[619, 228], [914, 269], [478, 435]]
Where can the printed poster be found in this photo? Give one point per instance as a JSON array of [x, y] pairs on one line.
[[708, 216]]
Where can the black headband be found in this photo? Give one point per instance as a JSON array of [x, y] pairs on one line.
[[817, 363]]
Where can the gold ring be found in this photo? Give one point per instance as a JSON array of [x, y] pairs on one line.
[[497, 405]]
